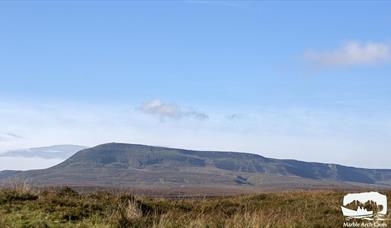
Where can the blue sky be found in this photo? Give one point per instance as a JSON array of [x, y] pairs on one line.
[[308, 81]]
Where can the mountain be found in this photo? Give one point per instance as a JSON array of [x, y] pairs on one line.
[[51, 152], [130, 165], [8, 173]]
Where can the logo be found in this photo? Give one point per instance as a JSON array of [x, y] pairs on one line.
[[371, 206]]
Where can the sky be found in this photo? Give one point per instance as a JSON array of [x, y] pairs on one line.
[[293, 80]]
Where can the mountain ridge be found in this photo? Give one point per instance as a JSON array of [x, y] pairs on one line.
[[123, 164]]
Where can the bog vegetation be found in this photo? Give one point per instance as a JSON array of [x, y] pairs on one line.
[[63, 207]]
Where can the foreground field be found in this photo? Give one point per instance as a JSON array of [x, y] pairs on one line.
[[64, 207]]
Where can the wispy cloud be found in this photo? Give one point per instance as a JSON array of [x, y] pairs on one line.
[[352, 53], [171, 111], [13, 135], [6, 136], [235, 116]]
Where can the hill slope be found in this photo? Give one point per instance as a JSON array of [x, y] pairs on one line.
[[139, 165]]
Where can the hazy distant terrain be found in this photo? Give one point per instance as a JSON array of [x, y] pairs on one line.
[[50, 152], [130, 165]]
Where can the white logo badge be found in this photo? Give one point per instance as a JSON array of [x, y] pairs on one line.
[[368, 205]]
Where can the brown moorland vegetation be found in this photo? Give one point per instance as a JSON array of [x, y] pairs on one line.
[[22, 206]]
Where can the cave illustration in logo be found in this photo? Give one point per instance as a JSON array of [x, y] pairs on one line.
[[367, 205]]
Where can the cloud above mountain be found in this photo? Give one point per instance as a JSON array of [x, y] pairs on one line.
[[171, 111], [352, 53]]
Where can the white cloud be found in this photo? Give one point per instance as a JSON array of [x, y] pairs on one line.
[[352, 53], [172, 111]]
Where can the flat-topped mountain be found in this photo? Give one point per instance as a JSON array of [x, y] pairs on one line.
[[131, 165]]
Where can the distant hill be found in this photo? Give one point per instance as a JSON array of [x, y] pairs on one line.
[[131, 165], [8, 173], [50, 152]]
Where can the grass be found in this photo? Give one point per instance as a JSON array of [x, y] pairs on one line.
[[21, 206]]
